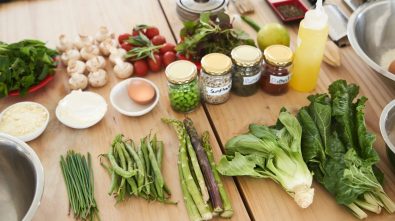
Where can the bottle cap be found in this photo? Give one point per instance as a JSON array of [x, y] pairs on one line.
[[216, 64], [181, 72], [278, 55], [316, 18], [246, 55]]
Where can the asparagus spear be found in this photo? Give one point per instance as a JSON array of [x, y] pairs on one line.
[[215, 197], [192, 188], [228, 210]]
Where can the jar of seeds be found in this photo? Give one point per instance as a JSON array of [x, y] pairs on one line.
[[246, 70], [216, 78], [184, 93]]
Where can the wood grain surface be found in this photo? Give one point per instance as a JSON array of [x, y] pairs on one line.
[[265, 199], [46, 20]]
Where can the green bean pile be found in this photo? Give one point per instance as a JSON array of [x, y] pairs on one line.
[[136, 170], [78, 176]]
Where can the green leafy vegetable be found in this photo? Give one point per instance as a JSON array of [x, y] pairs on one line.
[[275, 153], [339, 150], [24, 64], [211, 33]]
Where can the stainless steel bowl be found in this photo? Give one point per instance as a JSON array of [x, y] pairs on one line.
[[21, 180], [387, 129], [371, 33]]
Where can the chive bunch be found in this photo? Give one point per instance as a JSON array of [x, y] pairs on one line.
[[136, 170], [78, 176]]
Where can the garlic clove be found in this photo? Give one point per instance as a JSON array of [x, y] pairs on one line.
[[98, 78], [78, 81], [64, 44], [75, 66], [95, 63], [69, 55], [102, 34], [83, 41], [89, 52], [123, 69]]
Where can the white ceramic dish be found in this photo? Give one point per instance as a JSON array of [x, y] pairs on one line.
[[81, 109], [387, 122], [123, 104], [33, 135]]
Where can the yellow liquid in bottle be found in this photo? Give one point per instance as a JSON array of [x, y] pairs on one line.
[[307, 58]]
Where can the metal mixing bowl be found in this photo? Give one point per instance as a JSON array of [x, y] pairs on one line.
[[371, 33], [21, 180], [387, 129]]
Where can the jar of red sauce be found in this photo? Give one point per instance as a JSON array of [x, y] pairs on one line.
[[276, 69]]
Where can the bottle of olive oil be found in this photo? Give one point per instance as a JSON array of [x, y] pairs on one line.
[[312, 36]]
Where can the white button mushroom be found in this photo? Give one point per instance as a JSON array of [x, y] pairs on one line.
[[95, 63], [107, 45], [75, 67], [78, 81], [83, 41], [102, 34], [89, 52], [117, 54], [123, 69], [70, 55], [97, 78], [64, 44]]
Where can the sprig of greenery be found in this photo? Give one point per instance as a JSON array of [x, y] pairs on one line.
[[24, 64]]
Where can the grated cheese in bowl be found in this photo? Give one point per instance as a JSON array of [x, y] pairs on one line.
[[24, 120]]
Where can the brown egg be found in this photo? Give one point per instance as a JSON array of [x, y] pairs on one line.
[[391, 68], [141, 92]]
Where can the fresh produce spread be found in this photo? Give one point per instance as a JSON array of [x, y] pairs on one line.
[[214, 63]]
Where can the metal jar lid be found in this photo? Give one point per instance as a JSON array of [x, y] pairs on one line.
[[278, 55], [246, 55], [191, 9], [216, 64], [181, 72]]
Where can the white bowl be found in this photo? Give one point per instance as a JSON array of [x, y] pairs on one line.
[[33, 135], [81, 109], [120, 100]]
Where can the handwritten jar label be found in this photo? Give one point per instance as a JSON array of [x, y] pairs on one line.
[[218, 91], [279, 79], [252, 79]]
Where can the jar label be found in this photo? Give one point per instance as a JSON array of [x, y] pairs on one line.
[[251, 79], [218, 91], [279, 79]]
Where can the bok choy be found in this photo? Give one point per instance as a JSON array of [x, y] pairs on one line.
[[271, 152], [339, 150]]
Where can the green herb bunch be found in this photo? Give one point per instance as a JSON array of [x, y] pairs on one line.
[[211, 33], [24, 64]]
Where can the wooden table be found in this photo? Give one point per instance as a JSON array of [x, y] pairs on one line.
[[252, 199]]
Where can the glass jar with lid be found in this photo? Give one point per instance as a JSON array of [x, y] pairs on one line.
[[246, 70], [183, 86], [216, 78], [276, 74]]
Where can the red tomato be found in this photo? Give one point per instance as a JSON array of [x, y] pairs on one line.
[[156, 65], [158, 40], [167, 47], [152, 32], [169, 57], [135, 32], [123, 37], [140, 68], [127, 46]]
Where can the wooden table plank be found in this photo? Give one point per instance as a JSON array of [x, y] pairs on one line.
[[265, 199], [46, 20]]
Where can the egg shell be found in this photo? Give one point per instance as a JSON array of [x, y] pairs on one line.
[[141, 92], [391, 67]]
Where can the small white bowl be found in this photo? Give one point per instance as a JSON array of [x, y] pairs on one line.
[[33, 135], [81, 109], [120, 100]]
